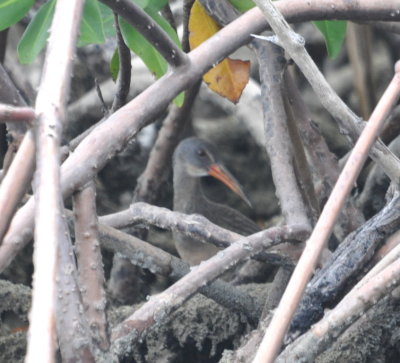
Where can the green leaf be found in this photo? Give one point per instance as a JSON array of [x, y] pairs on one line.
[[114, 65], [12, 11], [142, 48], [151, 4], [35, 36], [178, 100], [91, 30], [242, 5], [334, 32], [165, 25], [108, 20]]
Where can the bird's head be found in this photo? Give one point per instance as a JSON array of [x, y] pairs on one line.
[[200, 158]]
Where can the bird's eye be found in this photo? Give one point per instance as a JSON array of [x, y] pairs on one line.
[[201, 152]]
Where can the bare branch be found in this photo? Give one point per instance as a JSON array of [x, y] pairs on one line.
[[50, 108], [17, 176], [16, 181], [197, 227], [10, 95], [16, 114], [124, 74], [90, 264], [72, 327], [272, 66], [139, 19], [3, 44]]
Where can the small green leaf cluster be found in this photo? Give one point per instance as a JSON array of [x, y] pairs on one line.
[[97, 25], [35, 36]]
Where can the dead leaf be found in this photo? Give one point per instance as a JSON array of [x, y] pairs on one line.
[[229, 77]]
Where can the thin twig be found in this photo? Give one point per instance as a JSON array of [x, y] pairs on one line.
[[50, 108], [272, 66], [17, 174], [139, 19], [166, 12], [16, 114], [16, 181], [124, 74], [10, 95]]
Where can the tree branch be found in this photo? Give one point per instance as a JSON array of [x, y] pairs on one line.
[[50, 108], [124, 74], [139, 19], [278, 144], [16, 114], [197, 227], [90, 264]]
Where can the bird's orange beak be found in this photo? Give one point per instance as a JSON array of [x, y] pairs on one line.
[[219, 172]]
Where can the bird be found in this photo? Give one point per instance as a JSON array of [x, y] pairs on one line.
[[193, 159]]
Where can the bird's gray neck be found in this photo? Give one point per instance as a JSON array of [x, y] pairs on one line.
[[187, 191]]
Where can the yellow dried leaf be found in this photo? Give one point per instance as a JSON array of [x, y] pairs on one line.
[[227, 78]]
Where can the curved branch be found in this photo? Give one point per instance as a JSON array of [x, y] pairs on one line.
[[138, 18]]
